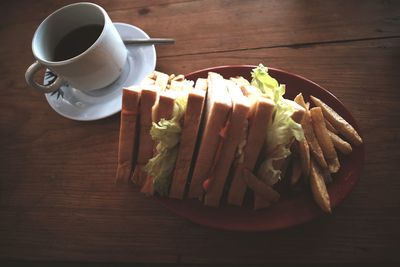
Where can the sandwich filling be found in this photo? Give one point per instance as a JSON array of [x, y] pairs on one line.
[[239, 156]]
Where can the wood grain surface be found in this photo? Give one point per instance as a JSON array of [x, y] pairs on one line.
[[58, 200]]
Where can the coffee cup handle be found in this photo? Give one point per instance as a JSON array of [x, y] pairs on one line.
[[29, 77]]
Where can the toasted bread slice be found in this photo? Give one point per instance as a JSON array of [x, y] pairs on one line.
[[218, 107], [238, 119], [190, 130], [148, 98], [127, 147]]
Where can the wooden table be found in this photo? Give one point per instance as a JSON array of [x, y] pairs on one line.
[[58, 201]]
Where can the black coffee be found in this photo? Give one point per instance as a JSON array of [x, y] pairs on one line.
[[76, 42]]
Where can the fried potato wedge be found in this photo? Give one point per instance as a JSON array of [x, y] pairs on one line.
[[302, 146], [299, 99], [340, 144], [324, 139], [260, 188], [304, 154], [312, 141], [330, 127], [318, 188], [338, 122]]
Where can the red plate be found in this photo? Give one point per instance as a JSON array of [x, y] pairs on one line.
[[292, 209]]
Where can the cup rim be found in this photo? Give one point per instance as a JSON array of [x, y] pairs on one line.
[[69, 60]]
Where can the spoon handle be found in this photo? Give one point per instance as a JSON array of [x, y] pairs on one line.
[[150, 41]]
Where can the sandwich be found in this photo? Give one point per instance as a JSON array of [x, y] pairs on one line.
[[164, 110], [218, 176], [259, 117], [175, 124], [208, 140]]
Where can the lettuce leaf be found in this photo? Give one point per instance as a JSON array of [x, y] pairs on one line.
[[281, 131], [267, 85], [167, 135]]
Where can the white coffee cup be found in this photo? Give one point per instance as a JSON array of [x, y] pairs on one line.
[[94, 68]]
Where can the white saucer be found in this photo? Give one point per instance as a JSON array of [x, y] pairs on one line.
[[105, 102]]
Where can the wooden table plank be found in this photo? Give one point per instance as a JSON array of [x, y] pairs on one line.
[[24, 10], [57, 197], [235, 25], [210, 26], [58, 200]]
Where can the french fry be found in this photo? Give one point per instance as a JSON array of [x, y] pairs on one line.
[[330, 127], [340, 144], [260, 201], [303, 146], [296, 171], [327, 176], [324, 139], [318, 188], [260, 188], [300, 100], [304, 153], [338, 122], [312, 140]]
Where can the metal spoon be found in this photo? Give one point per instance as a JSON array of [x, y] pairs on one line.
[[150, 41]]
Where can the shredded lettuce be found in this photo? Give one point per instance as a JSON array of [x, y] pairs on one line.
[[282, 129], [167, 135]]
